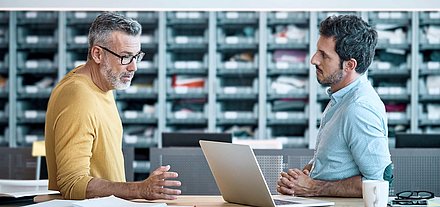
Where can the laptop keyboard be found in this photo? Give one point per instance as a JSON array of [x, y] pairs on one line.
[[283, 202]]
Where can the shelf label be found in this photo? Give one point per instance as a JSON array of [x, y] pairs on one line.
[[30, 114], [281, 15], [433, 65], [80, 15], [31, 15], [433, 40], [80, 39], [282, 65], [383, 65], [181, 90], [230, 90], [32, 39], [132, 14], [231, 40], [31, 138], [131, 139], [31, 89], [232, 15], [181, 114], [131, 90], [31, 64], [434, 15], [281, 115], [231, 115], [181, 40], [180, 64], [130, 114], [281, 40], [231, 65]]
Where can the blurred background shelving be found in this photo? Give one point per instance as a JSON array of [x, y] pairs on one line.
[[247, 73]]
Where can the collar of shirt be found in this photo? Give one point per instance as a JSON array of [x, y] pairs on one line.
[[338, 95]]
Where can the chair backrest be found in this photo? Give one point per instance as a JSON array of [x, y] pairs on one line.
[[414, 169]]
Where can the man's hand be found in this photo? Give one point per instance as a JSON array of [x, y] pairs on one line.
[[154, 187], [296, 182]]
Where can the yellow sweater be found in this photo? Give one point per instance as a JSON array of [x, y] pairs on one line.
[[83, 136]]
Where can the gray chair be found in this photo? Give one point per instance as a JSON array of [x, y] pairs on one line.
[[414, 169]]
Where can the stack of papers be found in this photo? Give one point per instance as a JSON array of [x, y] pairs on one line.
[[22, 188], [110, 201]]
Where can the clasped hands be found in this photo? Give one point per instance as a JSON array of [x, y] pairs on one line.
[[296, 182]]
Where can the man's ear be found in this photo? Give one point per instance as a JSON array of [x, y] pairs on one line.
[[96, 53], [350, 65]]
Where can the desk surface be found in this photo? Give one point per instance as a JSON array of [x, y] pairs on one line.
[[212, 201]]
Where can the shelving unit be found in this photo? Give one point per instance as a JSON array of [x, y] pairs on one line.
[[247, 73]]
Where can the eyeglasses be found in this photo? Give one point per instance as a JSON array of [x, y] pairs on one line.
[[413, 198], [126, 59], [415, 195]]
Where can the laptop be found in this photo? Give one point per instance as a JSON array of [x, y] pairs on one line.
[[240, 180]]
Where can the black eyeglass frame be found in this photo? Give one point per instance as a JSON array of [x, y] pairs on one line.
[[138, 56], [414, 193]]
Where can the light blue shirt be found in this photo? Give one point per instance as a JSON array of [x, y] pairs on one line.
[[353, 136]]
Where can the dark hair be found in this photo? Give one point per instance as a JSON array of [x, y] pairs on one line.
[[108, 22], [354, 39]]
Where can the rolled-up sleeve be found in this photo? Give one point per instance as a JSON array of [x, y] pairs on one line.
[[366, 136]]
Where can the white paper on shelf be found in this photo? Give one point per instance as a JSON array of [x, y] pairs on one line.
[[181, 15], [433, 65], [281, 15], [80, 15], [232, 15], [231, 65], [32, 39], [180, 64], [131, 90], [131, 139], [231, 40], [80, 39], [181, 90], [281, 40], [31, 64], [30, 138], [132, 14], [281, 115], [282, 65], [230, 90], [383, 65], [31, 89], [193, 64], [181, 40], [194, 15], [31, 14], [231, 115], [130, 114], [146, 39], [434, 15], [30, 114], [181, 114]]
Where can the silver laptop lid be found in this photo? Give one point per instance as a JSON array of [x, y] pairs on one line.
[[237, 173]]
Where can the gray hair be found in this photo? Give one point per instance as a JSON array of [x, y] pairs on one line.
[[109, 22], [354, 39]]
